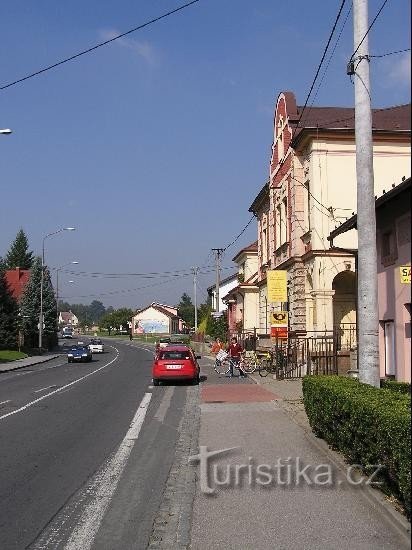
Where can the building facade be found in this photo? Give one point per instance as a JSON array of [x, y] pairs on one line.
[[311, 189], [157, 319]]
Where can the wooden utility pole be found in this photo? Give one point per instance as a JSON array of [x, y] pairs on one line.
[[367, 314]]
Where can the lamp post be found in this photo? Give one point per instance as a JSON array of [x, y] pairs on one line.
[[57, 269], [41, 322]]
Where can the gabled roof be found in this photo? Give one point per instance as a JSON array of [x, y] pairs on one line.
[[260, 199], [67, 316], [159, 308], [222, 282], [17, 280], [253, 248]]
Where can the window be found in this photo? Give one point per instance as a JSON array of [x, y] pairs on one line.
[[284, 226], [389, 251], [179, 355], [279, 224], [307, 206], [389, 336], [281, 149]]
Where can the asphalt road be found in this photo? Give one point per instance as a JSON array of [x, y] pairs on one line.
[[85, 450]]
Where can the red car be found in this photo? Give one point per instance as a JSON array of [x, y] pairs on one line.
[[176, 362]]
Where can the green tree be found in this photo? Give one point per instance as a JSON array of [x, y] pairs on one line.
[[30, 308], [8, 314], [118, 318], [186, 310], [96, 311], [19, 254]]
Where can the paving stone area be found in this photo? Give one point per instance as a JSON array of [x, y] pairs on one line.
[[172, 525]]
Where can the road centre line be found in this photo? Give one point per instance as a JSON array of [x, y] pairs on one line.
[[31, 403], [105, 484], [46, 388]]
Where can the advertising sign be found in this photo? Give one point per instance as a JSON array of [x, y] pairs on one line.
[[277, 285], [405, 272]]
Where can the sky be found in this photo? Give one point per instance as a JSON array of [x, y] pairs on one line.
[[154, 146]]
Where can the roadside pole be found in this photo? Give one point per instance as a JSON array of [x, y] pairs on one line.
[[367, 314], [218, 252], [195, 272]]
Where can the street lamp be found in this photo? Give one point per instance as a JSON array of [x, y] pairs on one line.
[[6, 131], [41, 322], [57, 269]]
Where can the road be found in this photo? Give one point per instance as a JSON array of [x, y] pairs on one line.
[[85, 451]]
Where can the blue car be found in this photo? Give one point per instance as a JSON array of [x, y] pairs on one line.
[[79, 354]]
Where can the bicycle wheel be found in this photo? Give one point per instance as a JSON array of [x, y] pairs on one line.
[[222, 367], [264, 367], [249, 366]]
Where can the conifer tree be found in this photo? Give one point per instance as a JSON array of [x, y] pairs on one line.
[[19, 254], [30, 308], [8, 313]]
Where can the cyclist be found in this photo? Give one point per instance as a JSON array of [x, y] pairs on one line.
[[235, 351]]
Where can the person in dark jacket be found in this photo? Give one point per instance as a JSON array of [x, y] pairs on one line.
[[235, 351]]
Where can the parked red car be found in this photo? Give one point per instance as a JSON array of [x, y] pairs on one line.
[[176, 362]]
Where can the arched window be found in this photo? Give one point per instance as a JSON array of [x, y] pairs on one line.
[[279, 136]]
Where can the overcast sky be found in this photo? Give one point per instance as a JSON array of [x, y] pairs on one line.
[[155, 146]]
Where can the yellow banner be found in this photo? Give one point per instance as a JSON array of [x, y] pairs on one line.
[[277, 285], [279, 318], [405, 272]]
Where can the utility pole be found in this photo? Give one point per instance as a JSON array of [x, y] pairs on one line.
[[218, 252], [367, 314], [195, 272]]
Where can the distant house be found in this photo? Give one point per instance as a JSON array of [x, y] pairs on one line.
[[17, 280], [157, 319], [68, 318], [393, 240], [243, 299], [224, 287]]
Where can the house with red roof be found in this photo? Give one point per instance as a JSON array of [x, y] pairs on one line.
[[17, 280], [157, 319]]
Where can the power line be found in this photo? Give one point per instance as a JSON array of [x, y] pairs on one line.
[[240, 234], [88, 50], [392, 53], [319, 66], [369, 28]]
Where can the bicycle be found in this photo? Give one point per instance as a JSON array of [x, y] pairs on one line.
[[275, 363], [224, 364]]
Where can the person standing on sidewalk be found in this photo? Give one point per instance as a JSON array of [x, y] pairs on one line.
[[217, 346], [235, 351]]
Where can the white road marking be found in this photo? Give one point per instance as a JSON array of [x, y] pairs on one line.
[[46, 388], [4, 402], [60, 389], [105, 484], [164, 404]]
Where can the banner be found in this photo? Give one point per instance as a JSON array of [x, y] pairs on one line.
[[277, 285], [279, 332]]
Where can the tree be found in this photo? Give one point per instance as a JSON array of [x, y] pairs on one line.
[[96, 311], [118, 318], [19, 254], [30, 308], [8, 314], [186, 310]]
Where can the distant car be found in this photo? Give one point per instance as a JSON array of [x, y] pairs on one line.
[[162, 343], [96, 345], [67, 332], [80, 353], [176, 362]]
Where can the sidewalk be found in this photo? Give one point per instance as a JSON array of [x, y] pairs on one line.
[[28, 361], [261, 499]]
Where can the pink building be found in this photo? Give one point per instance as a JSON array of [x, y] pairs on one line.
[[393, 236]]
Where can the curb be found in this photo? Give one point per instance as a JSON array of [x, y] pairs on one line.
[[16, 367]]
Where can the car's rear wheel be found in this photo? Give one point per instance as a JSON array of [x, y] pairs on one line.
[[156, 382], [196, 381]]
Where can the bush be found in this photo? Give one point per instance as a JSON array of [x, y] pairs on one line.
[[393, 385], [368, 425]]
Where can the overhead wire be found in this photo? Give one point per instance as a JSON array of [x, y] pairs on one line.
[[96, 46], [368, 30], [391, 53]]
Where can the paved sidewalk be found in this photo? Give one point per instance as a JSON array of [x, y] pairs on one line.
[[262, 504], [27, 362]]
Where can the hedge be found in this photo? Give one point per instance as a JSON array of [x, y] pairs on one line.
[[368, 425], [401, 387]]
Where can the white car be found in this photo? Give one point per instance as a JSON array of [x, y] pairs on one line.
[[96, 346]]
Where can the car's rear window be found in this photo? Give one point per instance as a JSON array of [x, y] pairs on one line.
[[179, 355]]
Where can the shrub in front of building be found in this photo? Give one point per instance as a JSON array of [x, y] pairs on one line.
[[368, 425]]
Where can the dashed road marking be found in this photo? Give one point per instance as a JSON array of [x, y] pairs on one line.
[[46, 388]]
